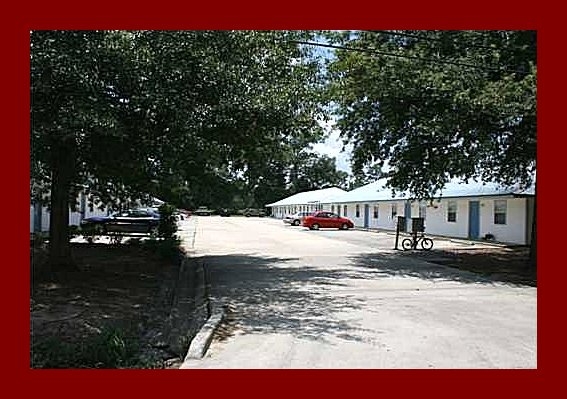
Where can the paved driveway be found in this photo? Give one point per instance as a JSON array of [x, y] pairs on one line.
[[345, 299]]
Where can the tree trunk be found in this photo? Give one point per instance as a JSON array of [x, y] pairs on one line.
[[63, 163]]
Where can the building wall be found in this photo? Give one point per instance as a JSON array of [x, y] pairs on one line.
[[385, 219], [513, 232], [74, 217], [530, 203], [280, 211], [436, 219]]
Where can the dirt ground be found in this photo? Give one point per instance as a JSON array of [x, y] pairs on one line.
[[126, 288], [110, 313]]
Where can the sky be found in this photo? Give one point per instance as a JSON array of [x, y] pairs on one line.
[[332, 147]]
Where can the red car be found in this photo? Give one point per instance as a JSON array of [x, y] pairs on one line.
[[324, 219]]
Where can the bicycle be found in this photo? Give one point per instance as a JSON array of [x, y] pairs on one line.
[[411, 243]]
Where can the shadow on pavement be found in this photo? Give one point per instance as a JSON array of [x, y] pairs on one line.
[[279, 295], [289, 295]]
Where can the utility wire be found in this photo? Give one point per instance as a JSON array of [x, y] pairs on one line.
[[372, 51], [426, 38]]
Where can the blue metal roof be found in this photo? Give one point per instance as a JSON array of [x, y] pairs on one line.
[[326, 195], [377, 191]]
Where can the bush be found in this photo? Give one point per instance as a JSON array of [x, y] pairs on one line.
[[112, 348], [74, 231], [166, 249], [38, 240], [167, 223]]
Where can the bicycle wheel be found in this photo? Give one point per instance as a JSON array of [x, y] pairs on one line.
[[426, 243], [407, 243]]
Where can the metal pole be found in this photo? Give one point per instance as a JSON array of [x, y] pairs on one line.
[[397, 232]]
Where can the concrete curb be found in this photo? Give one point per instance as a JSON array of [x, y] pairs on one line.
[[202, 340]]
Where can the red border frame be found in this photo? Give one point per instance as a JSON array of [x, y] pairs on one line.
[[258, 15]]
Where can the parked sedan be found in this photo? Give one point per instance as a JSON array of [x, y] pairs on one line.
[[254, 212], [296, 219], [203, 211], [323, 220], [141, 220]]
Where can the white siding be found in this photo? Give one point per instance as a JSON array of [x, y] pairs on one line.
[[436, 219], [44, 219], [74, 217], [530, 202], [358, 221], [385, 220], [45, 222], [514, 231]]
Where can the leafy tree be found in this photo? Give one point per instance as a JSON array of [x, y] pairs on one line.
[[316, 172], [433, 117], [185, 115], [437, 105]]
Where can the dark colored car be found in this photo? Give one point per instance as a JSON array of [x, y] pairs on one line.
[[203, 211], [254, 212], [324, 220], [224, 212], [140, 220]]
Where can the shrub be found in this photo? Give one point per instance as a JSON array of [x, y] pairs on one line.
[[166, 249], [74, 231], [167, 223], [112, 348]]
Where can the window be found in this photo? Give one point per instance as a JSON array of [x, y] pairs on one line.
[[332, 208], [138, 214], [500, 212], [394, 210], [375, 211], [452, 211], [357, 210], [345, 209]]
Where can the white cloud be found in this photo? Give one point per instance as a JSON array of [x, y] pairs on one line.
[[333, 146]]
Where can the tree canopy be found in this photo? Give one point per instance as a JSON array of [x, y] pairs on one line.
[[423, 107], [148, 109], [193, 116]]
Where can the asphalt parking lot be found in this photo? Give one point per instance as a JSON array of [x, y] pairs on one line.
[[346, 299]]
